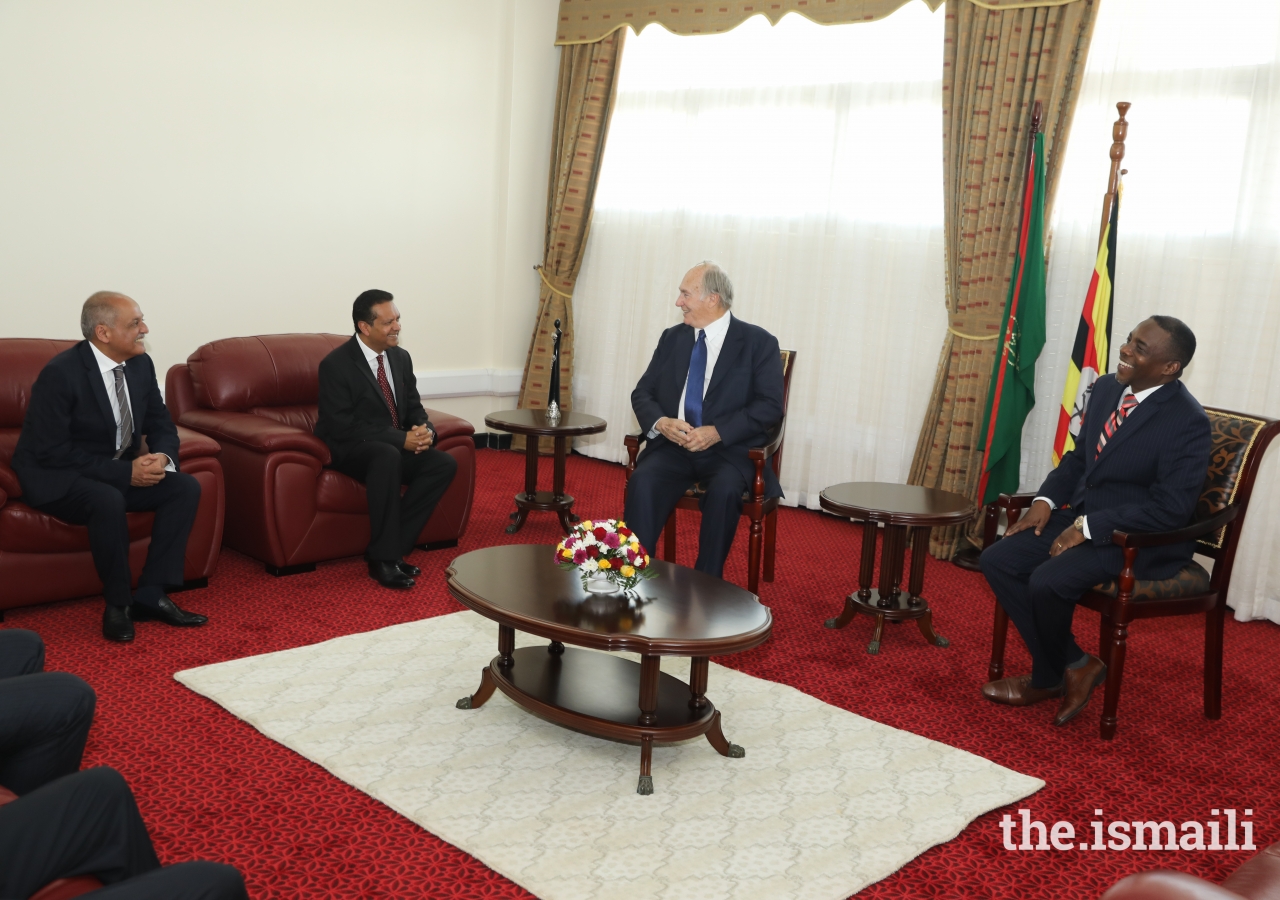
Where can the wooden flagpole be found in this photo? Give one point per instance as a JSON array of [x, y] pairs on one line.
[[1119, 131]]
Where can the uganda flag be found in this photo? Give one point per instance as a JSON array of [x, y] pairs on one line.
[[1093, 341], [1012, 392]]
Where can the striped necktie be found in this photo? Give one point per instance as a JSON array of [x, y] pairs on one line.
[[124, 434], [1117, 417]]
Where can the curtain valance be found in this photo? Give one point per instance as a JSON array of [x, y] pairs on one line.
[[587, 21]]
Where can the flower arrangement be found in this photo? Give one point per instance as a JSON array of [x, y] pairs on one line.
[[605, 550]]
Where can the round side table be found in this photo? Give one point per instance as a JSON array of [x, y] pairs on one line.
[[533, 424], [901, 508]]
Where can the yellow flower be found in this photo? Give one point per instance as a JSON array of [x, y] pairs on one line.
[[622, 524], [567, 554], [646, 559], [586, 525], [604, 564], [627, 571]]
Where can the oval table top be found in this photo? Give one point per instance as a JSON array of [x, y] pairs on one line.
[[897, 504], [534, 422], [681, 612]]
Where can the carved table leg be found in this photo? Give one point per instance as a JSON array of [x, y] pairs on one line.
[[483, 693], [919, 550], [506, 646], [874, 647], [567, 518], [865, 572], [650, 668], [530, 482], [717, 739], [926, 628], [698, 682]]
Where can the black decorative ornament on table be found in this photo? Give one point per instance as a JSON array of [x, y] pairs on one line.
[[553, 392]]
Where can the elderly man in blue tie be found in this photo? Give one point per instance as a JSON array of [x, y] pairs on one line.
[[713, 389]]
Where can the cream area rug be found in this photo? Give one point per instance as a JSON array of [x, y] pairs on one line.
[[824, 803]]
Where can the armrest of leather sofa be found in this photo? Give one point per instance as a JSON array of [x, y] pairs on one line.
[[449, 426], [9, 483], [254, 432], [195, 445]]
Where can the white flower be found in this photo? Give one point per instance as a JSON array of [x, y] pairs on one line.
[[590, 565]]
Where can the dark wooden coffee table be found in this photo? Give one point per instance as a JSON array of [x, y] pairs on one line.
[[901, 508], [533, 424], [681, 612]]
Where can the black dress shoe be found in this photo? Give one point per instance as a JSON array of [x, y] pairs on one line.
[[167, 611], [388, 574], [408, 569], [116, 625]]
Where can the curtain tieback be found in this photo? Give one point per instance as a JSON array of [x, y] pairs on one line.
[[973, 337], [551, 287]]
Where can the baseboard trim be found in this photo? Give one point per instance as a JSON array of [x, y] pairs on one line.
[[491, 440], [192, 584], [438, 545]]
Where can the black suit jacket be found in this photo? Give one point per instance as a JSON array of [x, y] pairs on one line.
[[69, 429], [743, 400], [1147, 478], [352, 408]]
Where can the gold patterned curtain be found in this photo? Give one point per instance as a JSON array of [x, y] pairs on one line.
[[587, 21], [584, 103], [997, 63]]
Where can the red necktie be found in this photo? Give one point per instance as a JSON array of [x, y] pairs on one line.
[[386, 393], [1117, 417]]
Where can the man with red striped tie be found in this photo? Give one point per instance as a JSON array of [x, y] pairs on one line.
[[1138, 465], [372, 420]]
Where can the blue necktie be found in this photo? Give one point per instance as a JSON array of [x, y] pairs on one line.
[[697, 377]]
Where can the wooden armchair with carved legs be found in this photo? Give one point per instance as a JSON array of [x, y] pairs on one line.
[[762, 511], [1239, 441]]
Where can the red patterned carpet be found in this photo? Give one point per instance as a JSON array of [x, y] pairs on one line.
[[210, 786]]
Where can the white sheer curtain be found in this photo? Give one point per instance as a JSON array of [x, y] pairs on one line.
[[806, 160], [1199, 233]]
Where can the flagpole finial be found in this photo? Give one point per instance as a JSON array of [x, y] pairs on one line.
[[1035, 118]]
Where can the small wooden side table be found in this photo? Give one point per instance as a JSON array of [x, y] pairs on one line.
[[901, 508], [533, 424]]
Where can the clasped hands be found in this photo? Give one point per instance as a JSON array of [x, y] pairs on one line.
[[1037, 517], [682, 434], [148, 469], [418, 438]]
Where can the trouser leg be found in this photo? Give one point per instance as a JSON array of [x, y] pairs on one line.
[[44, 723], [21, 653], [184, 881], [377, 466], [721, 507], [101, 509], [428, 475], [175, 501], [83, 824], [659, 481]]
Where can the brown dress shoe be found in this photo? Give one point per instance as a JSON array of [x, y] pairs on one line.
[[1078, 686], [1017, 691]]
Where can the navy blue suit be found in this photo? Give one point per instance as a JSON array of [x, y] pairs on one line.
[[743, 401], [64, 462], [1147, 478]]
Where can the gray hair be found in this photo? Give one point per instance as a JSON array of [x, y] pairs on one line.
[[716, 281], [99, 309]]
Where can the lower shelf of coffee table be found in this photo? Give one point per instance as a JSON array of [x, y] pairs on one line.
[[598, 693]]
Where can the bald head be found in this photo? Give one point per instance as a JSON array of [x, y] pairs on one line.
[[113, 323]]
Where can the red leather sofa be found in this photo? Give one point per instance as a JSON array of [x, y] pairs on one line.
[[257, 397], [43, 558]]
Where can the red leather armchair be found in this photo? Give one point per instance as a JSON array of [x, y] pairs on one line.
[[43, 558], [257, 396]]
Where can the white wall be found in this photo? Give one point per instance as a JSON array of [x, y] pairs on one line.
[[249, 167]]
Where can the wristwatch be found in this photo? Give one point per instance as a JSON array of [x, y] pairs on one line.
[[1079, 523]]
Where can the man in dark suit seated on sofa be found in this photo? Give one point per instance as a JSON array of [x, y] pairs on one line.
[[1138, 465], [79, 458], [712, 391], [372, 420], [67, 823]]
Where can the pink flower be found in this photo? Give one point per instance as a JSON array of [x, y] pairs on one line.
[[611, 539], [579, 556]]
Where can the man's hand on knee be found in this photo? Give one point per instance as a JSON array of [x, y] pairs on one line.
[[148, 469], [1036, 517], [417, 439], [1071, 536]]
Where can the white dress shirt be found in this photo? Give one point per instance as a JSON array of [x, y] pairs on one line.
[[1140, 396], [372, 359], [715, 333], [107, 367]]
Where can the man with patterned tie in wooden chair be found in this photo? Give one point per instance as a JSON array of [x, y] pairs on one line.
[[1133, 482], [711, 408]]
